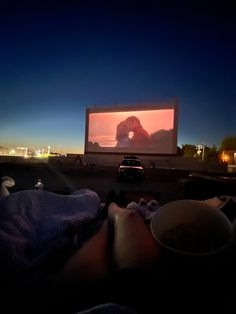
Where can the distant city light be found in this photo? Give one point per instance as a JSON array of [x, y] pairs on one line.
[[27, 152]]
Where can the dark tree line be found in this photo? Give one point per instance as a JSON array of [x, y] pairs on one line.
[[210, 153]]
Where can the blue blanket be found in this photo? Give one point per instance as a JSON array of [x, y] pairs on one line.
[[34, 224]]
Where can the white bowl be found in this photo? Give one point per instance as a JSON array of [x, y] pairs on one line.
[[191, 227]]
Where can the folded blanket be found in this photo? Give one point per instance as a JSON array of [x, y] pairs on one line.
[[34, 224]]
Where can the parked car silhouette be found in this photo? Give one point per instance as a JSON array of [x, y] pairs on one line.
[[131, 169]]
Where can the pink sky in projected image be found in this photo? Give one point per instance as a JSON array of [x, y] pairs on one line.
[[102, 125]]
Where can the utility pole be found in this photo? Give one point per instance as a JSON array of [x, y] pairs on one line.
[[26, 150]]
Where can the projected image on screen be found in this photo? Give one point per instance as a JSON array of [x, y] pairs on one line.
[[136, 131]]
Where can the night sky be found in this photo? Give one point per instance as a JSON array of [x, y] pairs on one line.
[[57, 59]]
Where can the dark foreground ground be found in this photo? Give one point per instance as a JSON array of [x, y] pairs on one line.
[[159, 183]]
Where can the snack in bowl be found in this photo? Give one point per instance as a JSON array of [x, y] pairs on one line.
[[191, 227]]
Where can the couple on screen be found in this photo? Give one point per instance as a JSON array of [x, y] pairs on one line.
[[131, 133]]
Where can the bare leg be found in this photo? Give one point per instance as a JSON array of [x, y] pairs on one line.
[[91, 262], [77, 285], [134, 246]]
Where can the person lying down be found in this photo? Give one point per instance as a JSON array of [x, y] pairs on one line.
[[122, 248], [123, 263], [113, 263]]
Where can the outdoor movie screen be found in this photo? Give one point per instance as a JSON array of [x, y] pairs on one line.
[[137, 130]]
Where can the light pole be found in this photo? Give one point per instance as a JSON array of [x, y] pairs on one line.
[[203, 152], [26, 150], [201, 149]]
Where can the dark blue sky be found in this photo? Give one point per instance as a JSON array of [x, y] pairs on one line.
[[57, 59]]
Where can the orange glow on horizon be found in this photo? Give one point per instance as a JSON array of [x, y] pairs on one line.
[[224, 157]]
